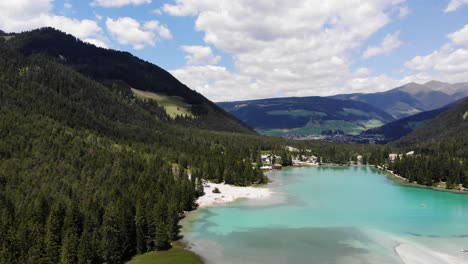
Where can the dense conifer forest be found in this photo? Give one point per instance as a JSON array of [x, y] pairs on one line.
[[89, 174], [441, 149]]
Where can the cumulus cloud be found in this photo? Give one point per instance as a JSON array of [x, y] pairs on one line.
[[97, 43], [21, 15], [383, 82], [459, 37], [128, 31], [374, 83], [298, 47], [185, 8], [162, 30], [118, 3], [403, 11], [218, 83], [389, 43], [449, 62], [454, 5], [200, 55]]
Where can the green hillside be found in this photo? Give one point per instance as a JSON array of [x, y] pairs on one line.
[[307, 115], [90, 173], [441, 149], [121, 71], [451, 125], [401, 127], [173, 105]]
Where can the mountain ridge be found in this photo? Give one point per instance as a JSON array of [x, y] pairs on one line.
[[412, 98], [306, 115], [449, 125], [399, 128], [122, 71]]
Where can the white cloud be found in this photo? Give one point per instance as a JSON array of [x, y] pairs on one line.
[[403, 11], [23, 9], [21, 15], [97, 43], [454, 5], [67, 5], [447, 60], [459, 37], [128, 31], [185, 8], [118, 3], [298, 47], [162, 30], [97, 16], [383, 83], [374, 83], [362, 72], [389, 43], [448, 63], [218, 84], [200, 55]]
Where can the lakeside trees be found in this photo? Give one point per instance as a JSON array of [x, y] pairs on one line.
[[429, 170], [89, 174]]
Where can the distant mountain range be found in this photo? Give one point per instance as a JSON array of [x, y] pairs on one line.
[[412, 98], [307, 115], [378, 113]]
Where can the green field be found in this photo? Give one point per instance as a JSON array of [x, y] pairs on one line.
[[176, 255], [352, 111], [7, 37], [172, 104], [317, 128], [373, 123]]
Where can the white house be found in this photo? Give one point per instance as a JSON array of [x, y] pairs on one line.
[[268, 158], [291, 149], [392, 156]]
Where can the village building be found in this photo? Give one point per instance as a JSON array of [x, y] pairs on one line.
[[277, 166], [269, 159]]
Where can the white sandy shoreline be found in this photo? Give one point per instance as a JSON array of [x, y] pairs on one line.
[[230, 193], [412, 254]]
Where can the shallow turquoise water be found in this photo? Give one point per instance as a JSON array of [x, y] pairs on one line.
[[330, 215]]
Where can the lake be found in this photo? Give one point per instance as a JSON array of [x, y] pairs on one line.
[[334, 215]]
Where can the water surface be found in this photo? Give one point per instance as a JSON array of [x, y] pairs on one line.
[[330, 215]]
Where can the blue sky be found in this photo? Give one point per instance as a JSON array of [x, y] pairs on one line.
[[242, 49]]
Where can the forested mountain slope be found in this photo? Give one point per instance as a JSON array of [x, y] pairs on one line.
[[441, 149], [450, 125], [121, 71], [402, 127], [92, 174]]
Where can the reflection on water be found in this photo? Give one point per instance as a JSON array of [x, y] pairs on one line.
[[330, 215]]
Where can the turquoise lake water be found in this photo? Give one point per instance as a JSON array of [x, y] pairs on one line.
[[330, 215]]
